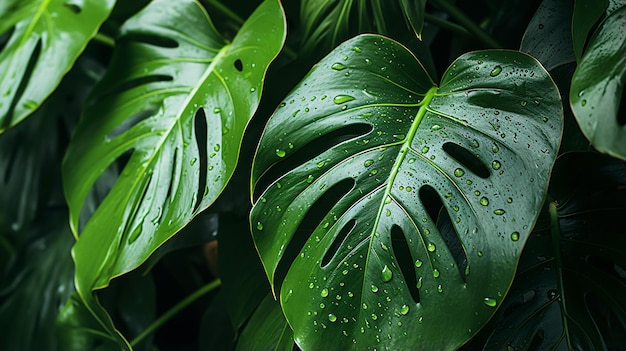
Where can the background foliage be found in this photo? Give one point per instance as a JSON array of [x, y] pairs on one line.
[[454, 179]]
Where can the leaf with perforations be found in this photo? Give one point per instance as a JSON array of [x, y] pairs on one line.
[[39, 43], [391, 212], [172, 109]]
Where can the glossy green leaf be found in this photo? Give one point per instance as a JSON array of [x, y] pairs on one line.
[[35, 287], [414, 12], [548, 36], [569, 292], [43, 39], [586, 14], [353, 169], [267, 329], [176, 99], [598, 86]]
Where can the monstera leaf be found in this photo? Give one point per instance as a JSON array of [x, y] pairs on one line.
[[266, 329], [174, 104], [598, 86], [39, 42], [569, 292], [357, 165]]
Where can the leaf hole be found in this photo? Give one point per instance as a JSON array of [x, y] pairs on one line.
[[73, 7], [451, 237], [339, 239], [467, 159], [150, 39], [128, 85], [100, 189], [316, 214], [431, 201], [238, 65], [405, 261], [308, 152], [130, 122], [5, 37], [25, 80], [200, 133]]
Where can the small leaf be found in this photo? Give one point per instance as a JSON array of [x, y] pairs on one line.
[[350, 222], [267, 329], [414, 12], [598, 87], [40, 35]]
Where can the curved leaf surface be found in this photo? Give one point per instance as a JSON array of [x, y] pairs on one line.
[[548, 36], [43, 39], [586, 14], [176, 99], [267, 329], [414, 12], [569, 292], [598, 86], [361, 158]]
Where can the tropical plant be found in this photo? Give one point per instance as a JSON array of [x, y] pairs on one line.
[[374, 175]]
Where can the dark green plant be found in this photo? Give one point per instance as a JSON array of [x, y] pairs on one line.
[[432, 182]]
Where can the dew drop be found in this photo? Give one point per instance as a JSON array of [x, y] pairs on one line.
[[324, 293], [418, 263], [332, 318], [491, 302], [357, 49], [217, 110], [484, 201], [495, 71], [419, 283], [583, 103], [475, 143], [515, 236], [374, 316], [193, 161], [259, 226], [338, 66], [435, 127], [477, 193], [404, 310], [386, 274], [425, 149], [340, 99], [496, 165], [321, 164], [459, 172], [523, 103], [431, 247], [436, 273], [310, 179], [280, 153], [439, 288], [509, 200], [368, 163], [495, 148], [499, 212], [374, 289], [216, 148], [322, 305], [373, 172]]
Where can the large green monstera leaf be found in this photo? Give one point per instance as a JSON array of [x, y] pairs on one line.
[[390, 212], [597, 89], [569, 291], [174, 103], [39, 42]]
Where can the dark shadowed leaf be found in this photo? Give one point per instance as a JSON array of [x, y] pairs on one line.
[[597, 91], [586, 14], [414, 12], [36, 286], [36, 36], [351, 175], [548, 36], [267, 329], [570, 289]]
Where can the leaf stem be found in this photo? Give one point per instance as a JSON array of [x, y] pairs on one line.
[[177, 308], [226, 11], [555, 232], [104, 39], [466, 22], [442, 23]]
